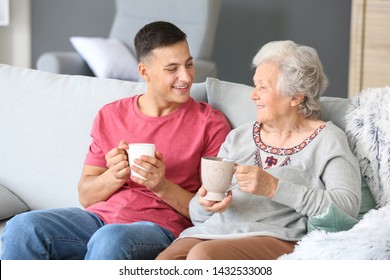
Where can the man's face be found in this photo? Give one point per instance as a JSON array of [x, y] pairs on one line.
[[170, 74]]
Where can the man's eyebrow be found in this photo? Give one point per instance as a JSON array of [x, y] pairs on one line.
[[175, 63]]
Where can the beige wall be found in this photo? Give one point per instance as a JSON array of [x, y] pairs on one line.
[[15, 39]]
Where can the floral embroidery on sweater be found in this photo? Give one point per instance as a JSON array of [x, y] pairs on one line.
[[267, 156]]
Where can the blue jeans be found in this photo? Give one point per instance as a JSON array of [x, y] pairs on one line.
[[72, 233]]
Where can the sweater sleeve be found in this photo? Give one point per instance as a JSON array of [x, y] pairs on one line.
[[217, 128], [197, 213], [339, 171]]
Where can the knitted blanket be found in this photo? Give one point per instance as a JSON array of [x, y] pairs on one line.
[[368, 130]]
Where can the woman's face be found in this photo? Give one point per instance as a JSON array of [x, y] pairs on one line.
[[272, 107]]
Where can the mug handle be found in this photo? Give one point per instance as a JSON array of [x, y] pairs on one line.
[[233, 186]]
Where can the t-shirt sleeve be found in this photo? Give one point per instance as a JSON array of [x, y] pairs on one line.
[[95, 155], [217, 128]]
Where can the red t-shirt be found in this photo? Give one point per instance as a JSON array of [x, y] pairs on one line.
[[184, 136]]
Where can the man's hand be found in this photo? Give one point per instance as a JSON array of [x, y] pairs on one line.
[[118, 163], [154, 173], [97, 183]]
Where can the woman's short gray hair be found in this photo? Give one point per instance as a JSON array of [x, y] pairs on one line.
[[301, 72]]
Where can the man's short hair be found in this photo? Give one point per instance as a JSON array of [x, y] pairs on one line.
[[155, 35]]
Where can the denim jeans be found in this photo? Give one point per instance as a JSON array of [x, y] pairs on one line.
[[72, 233]]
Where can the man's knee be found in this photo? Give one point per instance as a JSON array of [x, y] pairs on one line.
[[24, 222], [135, 241], [109, 235]]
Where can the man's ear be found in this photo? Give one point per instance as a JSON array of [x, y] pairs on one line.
[[143, 71], [296, 100]]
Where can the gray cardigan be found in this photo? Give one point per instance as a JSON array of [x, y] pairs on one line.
[[324, 171]]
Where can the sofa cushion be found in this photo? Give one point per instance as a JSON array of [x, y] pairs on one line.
[[107, 58], [221, 95], [10, 204], [367, 202], [334, 109]]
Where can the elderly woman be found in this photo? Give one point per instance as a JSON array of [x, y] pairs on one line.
[[290, 165]]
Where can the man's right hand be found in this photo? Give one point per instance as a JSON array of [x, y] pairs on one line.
[[97, 183], [118, 163]]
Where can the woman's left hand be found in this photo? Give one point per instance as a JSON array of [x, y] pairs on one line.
[[214, 206], [254, 180]]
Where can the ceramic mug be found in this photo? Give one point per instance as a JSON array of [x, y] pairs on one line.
[[136, 150], [217, 174]]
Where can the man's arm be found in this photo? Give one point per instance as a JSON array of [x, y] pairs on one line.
[[98, 184], [176, 197], [169, 192]]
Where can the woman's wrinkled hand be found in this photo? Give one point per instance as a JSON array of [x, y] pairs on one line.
[[214, 206], [254, 180]]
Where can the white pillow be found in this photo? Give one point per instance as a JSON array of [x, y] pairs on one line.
[[107, 58]]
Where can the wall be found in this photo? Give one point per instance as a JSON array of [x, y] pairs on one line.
[[55, 21], [15, 39], [244, 26]]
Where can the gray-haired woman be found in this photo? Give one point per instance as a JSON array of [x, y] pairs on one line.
[[291, 165]]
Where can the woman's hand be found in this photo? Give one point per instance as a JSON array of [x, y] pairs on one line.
[[254, 180], [214, 206]]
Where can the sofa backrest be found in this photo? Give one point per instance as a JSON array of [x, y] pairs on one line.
[[45, 121], [233, 99], [197, 18]]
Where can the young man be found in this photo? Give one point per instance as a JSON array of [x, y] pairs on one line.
[[126, 217]]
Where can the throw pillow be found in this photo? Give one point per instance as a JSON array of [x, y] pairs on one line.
[[10, 204], [107, 58], [333, 220], [222, 93], [367, 202]]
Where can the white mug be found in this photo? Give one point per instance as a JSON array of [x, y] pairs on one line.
[[136, 150]]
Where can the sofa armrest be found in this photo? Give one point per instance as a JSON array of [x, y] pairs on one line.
[[2, 226], [63, 63]]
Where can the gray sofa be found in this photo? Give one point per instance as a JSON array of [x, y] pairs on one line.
[[46, 118]]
